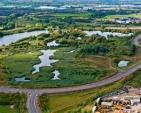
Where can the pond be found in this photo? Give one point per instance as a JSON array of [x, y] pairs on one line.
[[45, 60], [56, 75], [22, 79], [53, 43], [123, 63], [8, 39]]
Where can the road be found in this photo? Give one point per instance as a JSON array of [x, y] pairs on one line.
[[136, 40], [33, 94], [32, 102]]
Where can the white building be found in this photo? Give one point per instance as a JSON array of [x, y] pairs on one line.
[[109, 104], [135, 101]]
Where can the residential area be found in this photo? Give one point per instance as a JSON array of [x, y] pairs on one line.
[[126, 20]]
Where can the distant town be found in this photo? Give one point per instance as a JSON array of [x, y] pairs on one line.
[[126, 20]]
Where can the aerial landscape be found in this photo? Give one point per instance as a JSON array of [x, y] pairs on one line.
[[70, 56]]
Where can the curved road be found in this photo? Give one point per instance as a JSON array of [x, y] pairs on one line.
[[33, 94], [136, 40]]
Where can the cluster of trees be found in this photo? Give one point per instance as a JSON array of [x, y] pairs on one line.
[[68, 41], [94, 49], [114, 46], [17, 100], [43, 103], [1, 34], [66, 37], [94, 45]]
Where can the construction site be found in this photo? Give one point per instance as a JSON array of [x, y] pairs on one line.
[[127, 100]]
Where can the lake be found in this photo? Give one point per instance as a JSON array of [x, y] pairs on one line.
[[8, 39]]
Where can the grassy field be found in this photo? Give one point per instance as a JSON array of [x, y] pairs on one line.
[[135, 79], [7, 109], [138, 15], [20, 64], [75, 68], [74, 71], [84, 100], [62, 15], [12, 103], [82, 70], [63, 103]]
